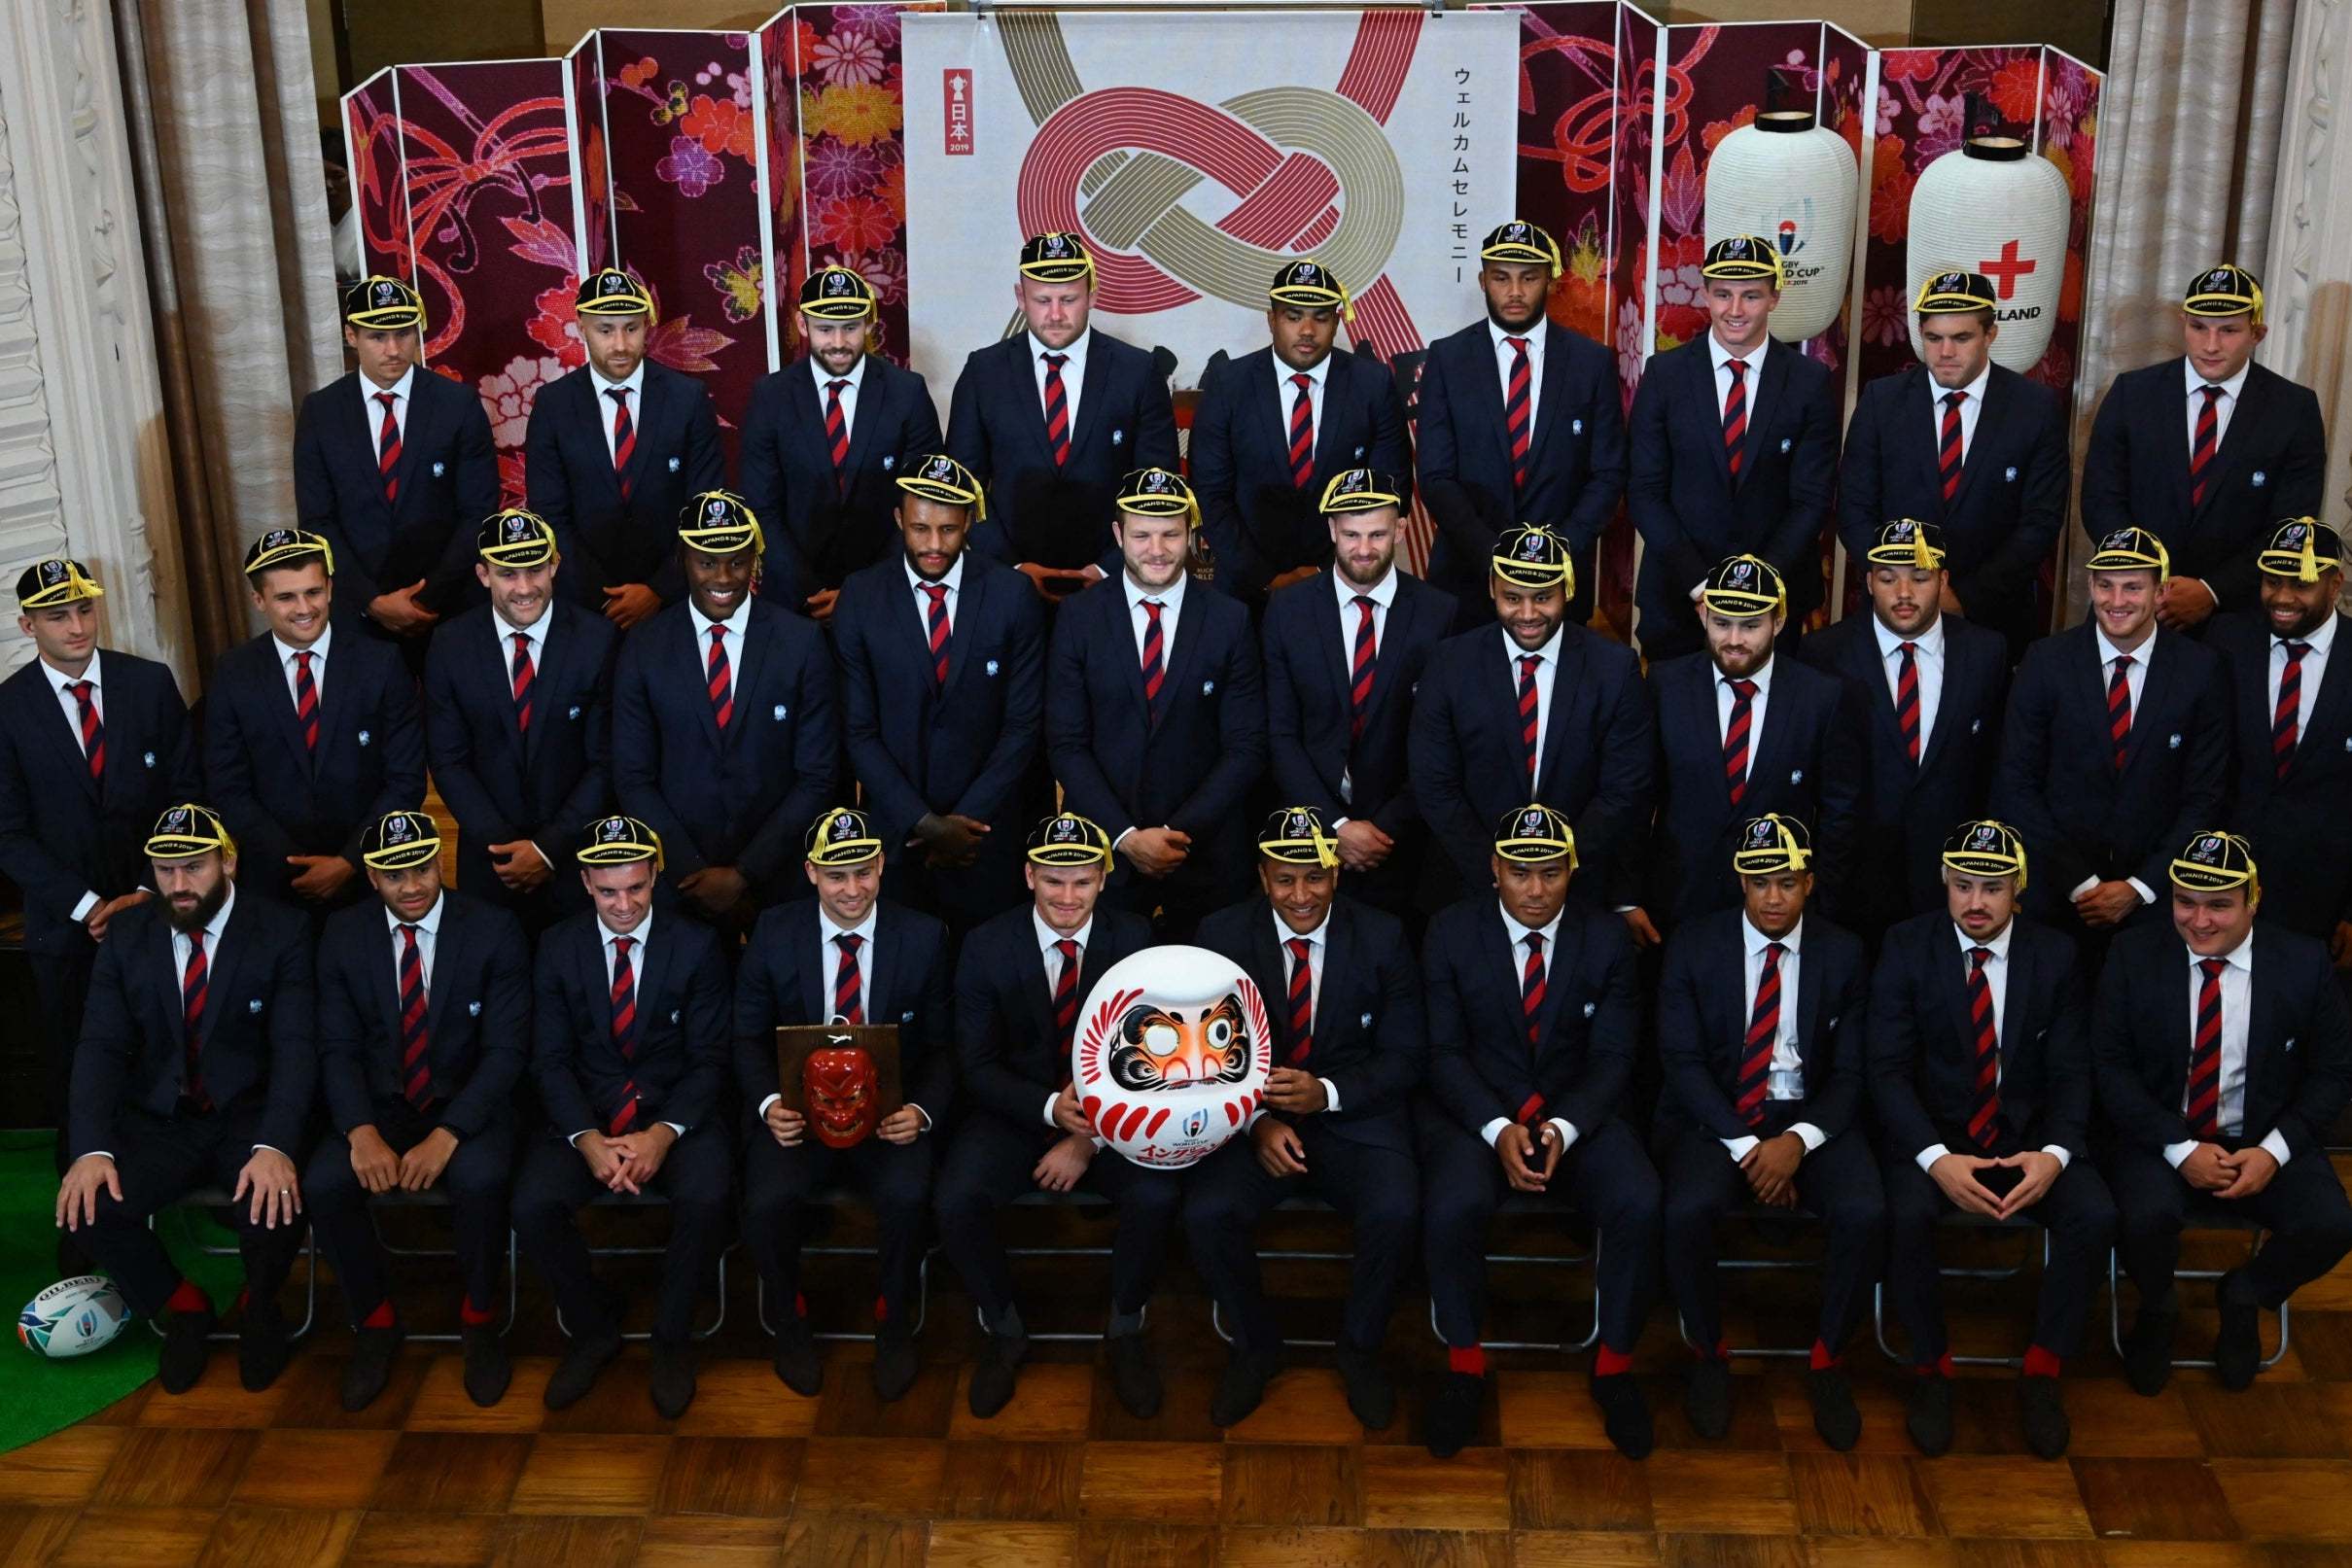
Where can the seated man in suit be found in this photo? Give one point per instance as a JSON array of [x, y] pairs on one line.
[[1742, 734], [1052, 418], [846, 956], [1019, 982], [393, 468], [1155, 715], [1735, 451], [1340, 689], [2206, 451], [1933, 687], [942, 654], [629, 1056], [822, 439], [615, 449], [724, 739], [1527, 1084], [195, 1070], [308, 739], [1970, 446], [2116, 745], [2223, 1056], [1762, 1088], [517, 724], [1344, 998], [1521, 421], [1544, 709], [2290, 719], [1273, 428], [424, 1028]]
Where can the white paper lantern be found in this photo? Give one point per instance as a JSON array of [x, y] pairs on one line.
[[1170, 1055], [1997, 207], [1786, 180]]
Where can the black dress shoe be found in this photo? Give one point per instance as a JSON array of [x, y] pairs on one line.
[[261, 1345], [186, 1346], [799, 1366], [1371, 1396], [673, 1380], [2148, 1348], [1452, 1417], [994, 1372], [1706, 1396], [1928, 1420], [1625, 1414], [895, 1362], [1134, 1375], [2044, 1416], [1242, 1386], [574, 1375], [487, 1371], [1835, 1417], [2237, 1349], [371, 1366]]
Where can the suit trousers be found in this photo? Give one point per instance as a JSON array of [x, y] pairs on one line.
[[555, 1183], [162, 1159], [2303, 1209], [778, 1183], [1377, 1188], [475, 1182], [62, 984]]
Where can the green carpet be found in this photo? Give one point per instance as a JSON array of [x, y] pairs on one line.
[[39, 1396]]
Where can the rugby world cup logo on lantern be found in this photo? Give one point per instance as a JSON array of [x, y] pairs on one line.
[[1170, 1055]]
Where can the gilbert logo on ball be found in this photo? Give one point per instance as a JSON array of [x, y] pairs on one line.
[[1171, 1056], [73, 1318]]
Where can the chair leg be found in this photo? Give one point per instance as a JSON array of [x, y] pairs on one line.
[[2115, 1317]]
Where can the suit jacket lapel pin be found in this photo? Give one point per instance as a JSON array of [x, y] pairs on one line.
[[2260, 479], [1118, 437], [1590, 1008], [1577, 427], [1359, 454], [889, 462], [439, 469], [474, 1009], [1207, 689], [253, 1006], [2173, 743], [992, 667], [907, 1017], [1786, 443], [1975, 726], [574, 713], [2010, 473], [1364, 1022], [673, 465], [2290, 1045], [147, 758], [1796, 776], [779, 712], [362, 736]]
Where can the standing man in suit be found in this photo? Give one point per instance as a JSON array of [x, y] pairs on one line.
[[2223, 1056], [1762, 1088], [2207, 451], [1340, 690], [724, 739], [394, 467], [1345, 996], [1521, 421], [629, 1054], [845, 956], [307, 740], [1933, 687], [1533, 1020], [2116, 745], [517, 724], [424, 1028], [1155, 715], [1544, 709], [197, 1065], [1019, 983], [1979, 1071], [94, 745], [942, 654], [1970, 446], [1275, 427], [615, 449], [1743, 733], [1052, 418], [1735, 451], [823, 441], [2291, 713]]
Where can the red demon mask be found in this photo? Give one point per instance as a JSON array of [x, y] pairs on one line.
[[837, 1084]]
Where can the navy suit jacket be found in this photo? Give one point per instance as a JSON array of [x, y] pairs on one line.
[[916, 748], [1909, 806], [2296, 822], [273, 795], [903, 976], [1008, 1055], [2057, 783], [1194, 768], [62, 833], [821, 528], [448, 483], [1308, 645], [744, 798], [1806, 763], [680, 1066], [258, 1034], [1702, 1019], [2272, 463], [478, 1014], [1480, 1065], [995, 426], [2298, 1041], [503, 783], [1576, 458], [1923, 1040], [1999, 527], [1370, 1040], [607, 540], [1692, 514], [1598, 754], [1257, 522]]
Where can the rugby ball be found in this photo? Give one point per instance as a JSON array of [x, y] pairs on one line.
[[1170, 1055], [73, 1318]]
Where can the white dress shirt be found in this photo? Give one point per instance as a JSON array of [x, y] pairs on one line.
[[953, 582], [1550, 932], [1047, 938], [537, 632], [1383, 595], [1719, 357], [428, 934], [635, 386], [1785, 1078], [64, 683], [2223, 407], [606, 937], [1504, 357], [854, 376], [1996, 982], [1171, 607], [2314, 671], [2237, 1006], [2135, 680], [1317, 941], [829, 962], [400, 390], [1547, 667], [1073, 373], [736, 625], [1971, 403], [1927, 663], [318, 665], [1725, 697], [1287, 390]]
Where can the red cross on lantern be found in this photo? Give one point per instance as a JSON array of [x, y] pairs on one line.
[[2008, 270]]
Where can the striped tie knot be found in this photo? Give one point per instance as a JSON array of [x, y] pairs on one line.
[[849, 999], [1517, 410], [936, 629], [93, 732], [1301, 999], [1906, 699]]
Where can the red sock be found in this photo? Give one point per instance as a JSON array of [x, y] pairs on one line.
[[882, 1310], [801, 1304], [1608, 1363], [1472, 1361], [380, 1318], [473, 1316], [1941, 1367], [186, 1297], [1823, 1357], [2039, 1363], [244, 1297]]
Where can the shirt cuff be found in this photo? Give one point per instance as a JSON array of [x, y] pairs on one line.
[[1738, 1147], [675, 1128], [2141, 887], [82, 909], [2059, 1152], [1493, 1129], [545, 859], [1121, 838], [1049, 1108], [765, 1104], [920, 1111], [2175, 1153], [2276, 1146], [574, 1138], [1927, 1157], [1568, 1133], [1340, 823], [1331, 1099], [1812, 1136], [2081, 887], [98, 1154], [273, 1149]]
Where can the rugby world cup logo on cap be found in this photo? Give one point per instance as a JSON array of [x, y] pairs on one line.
[[1298, 825], [399, 830], [1742, 575], [518, 529], [52, 572], [1057, 248], [612, 830], [836, 284], [387, 292], [844, 828], [1064, 831], [177, 821], [1530, 821], [1762, 833], [2208, 849], [940, 468], [612, 283], [1158, 483], [1531, 547], [1986, 837], [715, 511]]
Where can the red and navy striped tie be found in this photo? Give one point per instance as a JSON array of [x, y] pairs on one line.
[[192, 1011], [1057, 410], [1735, 413], [1984, 1106], [2200, 450], [936, 624], [848, 994], [1362, 665], [416, 1073], [306, 701], [1762, 1033], [2118, 709], [388, 448], [1734, 738], [1949, 454], [1155, 672], [837, 433], [94, 730], [1065, 1004], [721, 682], [624, 436], [1528, 729], [1517, 409], [2286, 720], [1907, 700], [1302, 432], [624, 1032], [2203, 1097], [524, 674], [1530, 984], [1302, 1000]]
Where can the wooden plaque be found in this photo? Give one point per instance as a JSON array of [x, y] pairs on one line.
[[880, 1041]]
